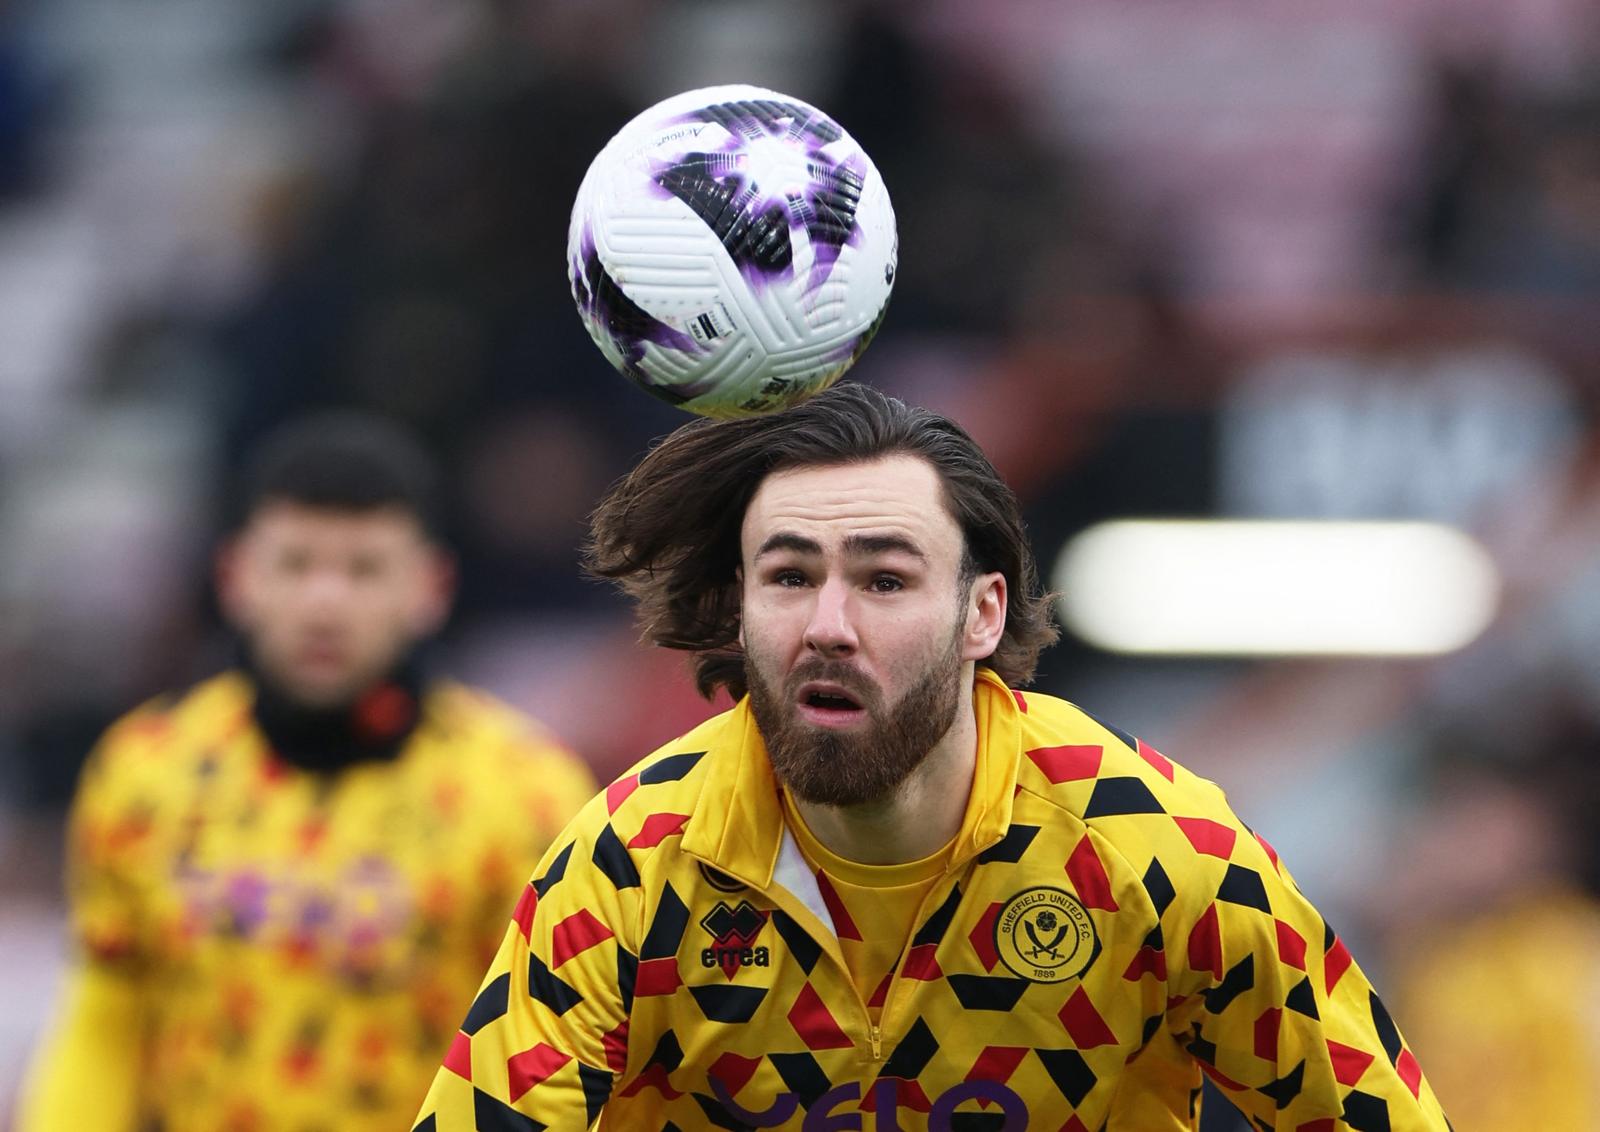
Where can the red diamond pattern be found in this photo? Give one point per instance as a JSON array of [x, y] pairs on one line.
[[921, 964], [459, 1059], [982, 937], [1088, 876], [1083, 1022], [657, 976], [1349, 1063], [735, 1071], [1272, 854], [997, 1063], [1410, 1072], [1156, 759], [1327, 1124], [1267, 1034], [1149, 961], [656, 828], [816, 1027], [1291, 946], [615, 1045], [1209, 837], [618, 792], [1022, 701], [1205, 944], [576, 934], [1073, 1124], [843, 926], [1336, 964], [1067, 764], [523, 915], [533, 1067]]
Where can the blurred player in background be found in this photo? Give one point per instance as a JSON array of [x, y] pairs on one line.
[[887, 889], [285, 882]]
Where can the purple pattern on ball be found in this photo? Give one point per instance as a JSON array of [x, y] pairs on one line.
[[609, 310], [754, 223]]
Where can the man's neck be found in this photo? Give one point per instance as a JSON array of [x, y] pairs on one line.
[[918, 819]]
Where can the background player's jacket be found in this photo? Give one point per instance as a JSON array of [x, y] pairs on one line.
[[1107, 931], [271, 950]]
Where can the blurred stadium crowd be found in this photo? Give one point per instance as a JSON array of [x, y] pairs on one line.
[[1322, 260]]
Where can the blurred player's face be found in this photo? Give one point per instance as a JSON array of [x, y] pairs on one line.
[[859, 634], [330, 600]]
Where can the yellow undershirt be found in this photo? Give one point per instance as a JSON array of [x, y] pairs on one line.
[[874, 906]]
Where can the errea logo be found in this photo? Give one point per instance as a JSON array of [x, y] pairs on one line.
[[733, 932]]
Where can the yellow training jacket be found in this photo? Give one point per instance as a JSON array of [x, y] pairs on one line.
[[1107, 931], [263, 949]]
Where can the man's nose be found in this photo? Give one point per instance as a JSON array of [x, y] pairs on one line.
[[831, 629]]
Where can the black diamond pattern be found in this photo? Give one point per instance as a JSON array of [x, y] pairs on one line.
[[546, 987], [668, 1053], [806, 951], [670, 769], [1388, 1034], [1364, 1112], [490, 1004], [667, 928], [718, 1116], [1128, 740], [1243, 886], [1012, 846], [490, 1115], [1287, 1087], [1070, 1072], [987, 992], [1302, 999], [802, 1074], [552, 875], [932, 931], [1238, 980], [1159, 886], [611, 857], [429, 1123], [1113, 797], [913, 1053], [627, 977], [596, 1089], [728, 1004]]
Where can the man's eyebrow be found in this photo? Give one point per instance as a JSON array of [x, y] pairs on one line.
[[788, 540], [859, 546], [864, 545]]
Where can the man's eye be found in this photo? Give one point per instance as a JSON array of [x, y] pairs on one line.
[[887, 584], [789, 578]]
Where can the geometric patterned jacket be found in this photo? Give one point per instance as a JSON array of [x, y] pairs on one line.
[[1107, 932]]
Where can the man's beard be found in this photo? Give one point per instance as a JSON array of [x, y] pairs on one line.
[[830, 768]]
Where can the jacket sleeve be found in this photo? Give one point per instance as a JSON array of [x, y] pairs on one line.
[[547, 1032], [83, 1074], [1264, 995], [85, 1071]]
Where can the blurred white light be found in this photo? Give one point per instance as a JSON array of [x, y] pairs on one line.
[[1269, 588]]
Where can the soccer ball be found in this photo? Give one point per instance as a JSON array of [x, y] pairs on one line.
[[732, 250]]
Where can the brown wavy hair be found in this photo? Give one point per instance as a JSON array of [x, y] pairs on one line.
[[668, 532]]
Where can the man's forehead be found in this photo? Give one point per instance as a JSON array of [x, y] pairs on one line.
[[892, 497], [289, 519]]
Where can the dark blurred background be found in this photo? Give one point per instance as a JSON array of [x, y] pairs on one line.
[[1218, 258]]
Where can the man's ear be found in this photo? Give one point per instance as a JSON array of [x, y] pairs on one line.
[[986, 617], [738, 583], [228, 575]]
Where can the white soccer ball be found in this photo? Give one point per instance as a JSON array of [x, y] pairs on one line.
[[732, 250]]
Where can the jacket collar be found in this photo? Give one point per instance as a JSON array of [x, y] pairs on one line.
[[738, 827]]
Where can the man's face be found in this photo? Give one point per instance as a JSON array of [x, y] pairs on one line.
[[859, 635], [330, 600]]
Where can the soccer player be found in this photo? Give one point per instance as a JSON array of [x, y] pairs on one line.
[[285, 882], [887, 889]]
